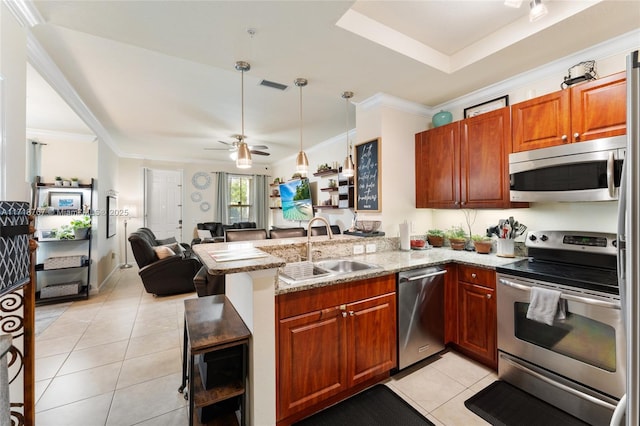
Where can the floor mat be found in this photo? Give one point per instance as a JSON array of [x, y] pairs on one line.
[[503, 404], [376, 406]]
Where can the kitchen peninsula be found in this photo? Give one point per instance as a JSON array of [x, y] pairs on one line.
[[253, 284]]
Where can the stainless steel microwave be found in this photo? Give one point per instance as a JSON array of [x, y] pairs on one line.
[[582, 171]]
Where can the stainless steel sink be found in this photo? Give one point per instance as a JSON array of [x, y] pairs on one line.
[[343, 266], [296, 272]]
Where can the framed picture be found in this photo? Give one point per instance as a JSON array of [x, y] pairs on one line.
[[71, 201], [500, 102], [367, 181], [46, 235], [112, 219]]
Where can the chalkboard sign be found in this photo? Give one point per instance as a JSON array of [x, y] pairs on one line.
[[368, 176]]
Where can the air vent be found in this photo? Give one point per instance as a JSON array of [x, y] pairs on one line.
[[273, 85]]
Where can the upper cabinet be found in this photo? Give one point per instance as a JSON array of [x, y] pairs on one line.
[[465, 164], [587, 111]]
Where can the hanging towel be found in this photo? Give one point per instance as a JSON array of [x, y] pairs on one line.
[[544, 305]]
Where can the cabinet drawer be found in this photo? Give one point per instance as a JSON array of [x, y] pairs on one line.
[[475, 275]]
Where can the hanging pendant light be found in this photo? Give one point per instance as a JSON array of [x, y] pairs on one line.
[[348, 168], [243, 161], [302, 163]]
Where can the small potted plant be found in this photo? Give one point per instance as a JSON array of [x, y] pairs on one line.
[[58, 181], [435, 237], [74, 182], [482, 243], [80, 227], [65, 232], [457, 237]]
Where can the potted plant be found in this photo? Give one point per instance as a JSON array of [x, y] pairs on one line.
[[58, 181], [65, 232], [74, 182], [482, 243], [457, 237], [435, 237], [80, 227]]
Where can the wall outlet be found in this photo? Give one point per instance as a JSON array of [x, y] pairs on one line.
[[358, 249], [371, 248]]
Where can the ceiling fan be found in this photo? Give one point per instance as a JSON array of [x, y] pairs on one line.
[[233, 146]]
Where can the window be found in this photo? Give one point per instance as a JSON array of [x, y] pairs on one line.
[[240, 203]]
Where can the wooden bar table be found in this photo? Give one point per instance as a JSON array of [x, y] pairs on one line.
[[211, 324]]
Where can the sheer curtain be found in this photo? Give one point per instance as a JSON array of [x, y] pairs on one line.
[[222, 200], [261, 200]]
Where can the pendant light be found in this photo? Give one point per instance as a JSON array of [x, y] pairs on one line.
[[348, 168], [302, 163], [243, 161]]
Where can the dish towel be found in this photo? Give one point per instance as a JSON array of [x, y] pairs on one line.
[[545, 305]]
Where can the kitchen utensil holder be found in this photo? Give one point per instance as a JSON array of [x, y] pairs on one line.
[[506, 247]]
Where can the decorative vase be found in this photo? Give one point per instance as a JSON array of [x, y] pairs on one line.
[[442, 118], [80, 233]]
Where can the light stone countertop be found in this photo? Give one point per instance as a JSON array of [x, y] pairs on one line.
[[391, 262]]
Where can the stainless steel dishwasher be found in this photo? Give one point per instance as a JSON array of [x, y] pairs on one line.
[[420, 314]]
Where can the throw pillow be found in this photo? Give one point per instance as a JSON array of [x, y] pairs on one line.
[[204, 233], [163, 252], [176, 248]]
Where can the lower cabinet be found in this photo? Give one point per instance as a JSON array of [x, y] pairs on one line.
[[472, 311], [331, 340]]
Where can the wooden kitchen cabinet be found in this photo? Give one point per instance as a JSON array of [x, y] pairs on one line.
[[465, 164], [586, 111], [332, 341], [477, 313]]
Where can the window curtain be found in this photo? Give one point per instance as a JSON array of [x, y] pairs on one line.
[[261, 200], [222, 199]]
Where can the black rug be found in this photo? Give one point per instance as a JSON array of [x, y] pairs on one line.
[[505, 405], [376, 406]]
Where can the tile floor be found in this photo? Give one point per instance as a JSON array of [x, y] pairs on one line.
[[115, 360]]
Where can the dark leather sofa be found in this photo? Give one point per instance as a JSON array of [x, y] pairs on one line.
[[301, 232], [218, 231], [170, 275]]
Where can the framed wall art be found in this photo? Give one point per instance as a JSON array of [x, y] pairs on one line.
[[67, 201], [491, 105]]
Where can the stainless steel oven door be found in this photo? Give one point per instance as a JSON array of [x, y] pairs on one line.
[[587, 347]]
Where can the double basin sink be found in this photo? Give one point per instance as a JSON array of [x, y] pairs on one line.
[[299, 272]]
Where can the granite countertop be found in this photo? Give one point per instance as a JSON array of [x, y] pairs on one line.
[[206, 252], [391, 262]]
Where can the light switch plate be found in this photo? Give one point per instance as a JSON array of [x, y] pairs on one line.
[[358, 249], [371, 248]]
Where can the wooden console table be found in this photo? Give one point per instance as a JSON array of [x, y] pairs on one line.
[[212, 324]]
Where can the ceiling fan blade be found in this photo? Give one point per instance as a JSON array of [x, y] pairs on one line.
[[260, 152], [258, 147], [228, 143], [219, 149]]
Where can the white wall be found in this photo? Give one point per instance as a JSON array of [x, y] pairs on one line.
[[105, 250]]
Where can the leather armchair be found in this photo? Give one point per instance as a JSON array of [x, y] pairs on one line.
[[171, 275], [247, 234]]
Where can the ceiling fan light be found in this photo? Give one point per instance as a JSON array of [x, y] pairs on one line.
[[302, 163], [348, 169], [538, 10], [244, 156]]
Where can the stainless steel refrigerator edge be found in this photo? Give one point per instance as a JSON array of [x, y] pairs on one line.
[[628, 247], [420, 314]]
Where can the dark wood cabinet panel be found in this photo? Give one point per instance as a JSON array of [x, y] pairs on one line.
[[331, 341], [465, 164], [586, 111]]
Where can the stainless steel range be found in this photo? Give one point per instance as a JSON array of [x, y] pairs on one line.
[[576, 359]]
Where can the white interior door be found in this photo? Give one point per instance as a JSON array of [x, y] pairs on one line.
[[163, 203]]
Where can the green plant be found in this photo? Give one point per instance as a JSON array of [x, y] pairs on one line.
[[58, 178], [477, 237], [65, 232], [83, 222], [74, 179], [456, 233], [435, 232]]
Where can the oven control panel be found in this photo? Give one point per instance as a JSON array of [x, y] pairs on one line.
[[595, 242]]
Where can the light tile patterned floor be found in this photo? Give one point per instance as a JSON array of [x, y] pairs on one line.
[[115, 360]]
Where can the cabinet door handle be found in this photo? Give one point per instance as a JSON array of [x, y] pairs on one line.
[[488, 296], [576, 135], [473, 275], [564, 137], [344, 314], [351, 313]]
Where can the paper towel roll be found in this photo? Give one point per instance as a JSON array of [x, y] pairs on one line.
[[405, 243]]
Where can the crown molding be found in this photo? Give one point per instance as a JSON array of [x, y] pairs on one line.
[[41, 135], [384, 100], [25, 12]]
